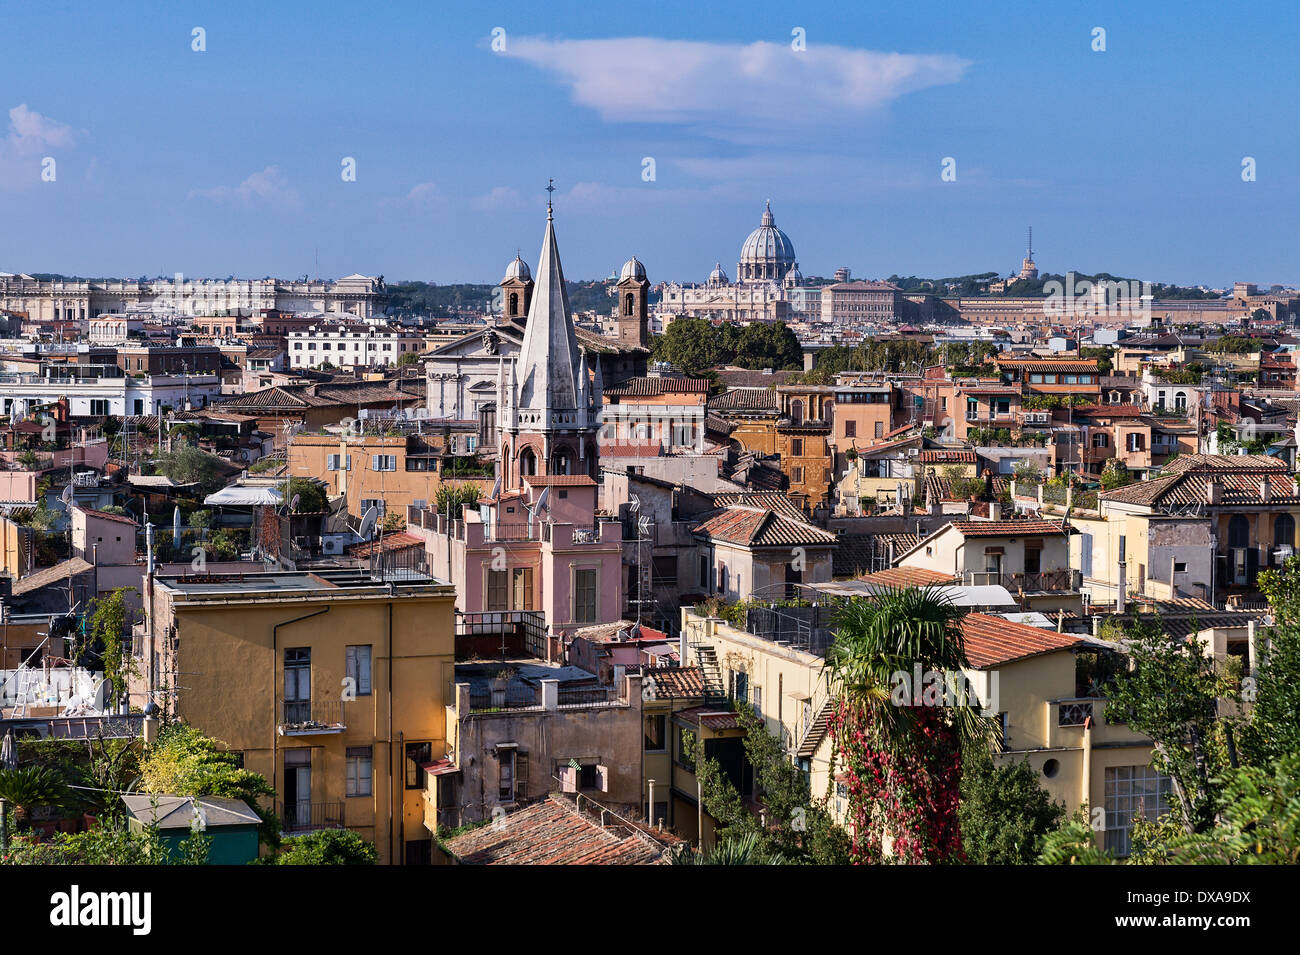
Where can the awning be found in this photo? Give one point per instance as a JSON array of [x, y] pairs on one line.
[[245, 495]]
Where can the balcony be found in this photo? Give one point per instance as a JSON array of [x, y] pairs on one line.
[[1047, 581], [300, 817], [1074, 712], [311, 717]]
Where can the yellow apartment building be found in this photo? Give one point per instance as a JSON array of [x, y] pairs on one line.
[[330, 684], [391, 472]]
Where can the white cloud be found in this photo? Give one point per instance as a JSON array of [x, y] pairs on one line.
[[630, 79], [268, 186], [424, 192], [499, 197], [29, 138]]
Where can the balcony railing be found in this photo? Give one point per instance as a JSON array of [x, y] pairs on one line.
[[311, 717], [1074, 714], [308, 816], [1041, 582]]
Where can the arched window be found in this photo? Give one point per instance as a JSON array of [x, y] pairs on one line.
[[1238, 531], [560, 462], [1283, 530], [514, 303], [627, 304], [527, 461], [1180, 401], [796, 411]]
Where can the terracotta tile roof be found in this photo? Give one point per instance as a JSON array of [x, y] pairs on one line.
[[385, 544], [1224, 462], [553, 832], [992, 641], [710, 717], [771, 500], [745, 399], [558, 480], [1049, 364], [1010, 528], [674, 683], [104, 516], [940, 487], [1107, 411], [1190, 487], [946, 457], [72, 567], [760, 527], [632, 449], [650, 387], [909, 577]]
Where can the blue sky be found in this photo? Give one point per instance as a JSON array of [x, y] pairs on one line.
[[228, 161]]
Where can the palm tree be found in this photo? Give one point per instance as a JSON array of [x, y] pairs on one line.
[[33, 786], [903, 757]]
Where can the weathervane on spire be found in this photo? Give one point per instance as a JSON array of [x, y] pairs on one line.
[[550, 188]]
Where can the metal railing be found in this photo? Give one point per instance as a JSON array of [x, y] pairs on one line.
[[306, 816], [585, 696], [305, 715], [1074, 714]]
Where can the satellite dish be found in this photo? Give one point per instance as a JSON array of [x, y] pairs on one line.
[[293, 505], [496, 488], [368, 523], [66, 496], [542, 499]]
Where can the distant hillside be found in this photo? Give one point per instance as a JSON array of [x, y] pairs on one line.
[[976, 285], [445, 301]]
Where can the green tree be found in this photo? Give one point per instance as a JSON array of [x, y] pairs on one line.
[[1170, 694], [311, 496], [691, 344], [326, 847], [184, 762], [410, 358], [1114, 474], [454, 497], [768, 345], [793, 825], [108, 630], [187, 464], [1004, 812], [1074, 844], [1272, 730]]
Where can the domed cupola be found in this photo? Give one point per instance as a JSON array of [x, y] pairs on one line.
[[768, 253], [718, 277], [632, 269]]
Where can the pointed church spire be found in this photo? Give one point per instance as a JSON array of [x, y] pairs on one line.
[[549, 354]]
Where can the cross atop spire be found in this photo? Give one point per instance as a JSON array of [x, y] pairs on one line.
[[550, 188]]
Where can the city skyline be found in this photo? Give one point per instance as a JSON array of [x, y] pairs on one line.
[[211, 162]]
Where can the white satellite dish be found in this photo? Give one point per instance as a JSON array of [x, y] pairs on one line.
[[542, 499], [368, 523], [293, 505], [496, 488], [66, 496]]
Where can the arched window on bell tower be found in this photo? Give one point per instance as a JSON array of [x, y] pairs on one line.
[[527, 462], [514, 305], [628, 302]]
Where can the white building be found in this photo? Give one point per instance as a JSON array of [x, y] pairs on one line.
[[109, 395], [351, 345]]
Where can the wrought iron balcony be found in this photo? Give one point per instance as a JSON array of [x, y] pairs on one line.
[[296, 817], [311, 717]]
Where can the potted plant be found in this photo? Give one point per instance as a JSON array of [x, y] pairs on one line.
[[29, 787]]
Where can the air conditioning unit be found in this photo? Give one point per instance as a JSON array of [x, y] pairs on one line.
[[332, 546]]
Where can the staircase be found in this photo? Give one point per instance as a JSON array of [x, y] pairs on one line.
[[812, 737], [707, 657]]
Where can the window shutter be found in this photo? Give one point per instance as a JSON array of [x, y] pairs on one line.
[[569, 779], [521, 776], [602, 778]]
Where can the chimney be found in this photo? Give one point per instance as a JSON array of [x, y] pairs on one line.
[[1265, 489], [1213, 491]]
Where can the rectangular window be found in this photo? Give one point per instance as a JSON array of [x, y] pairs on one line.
[[1132, 791], [796, 447], [360, 770], [584, 596], [383, 462], [297, 684], [498, 590], [880, 429], [522, 589], [506, 774], [850, 429], [656, 733], [358, 668], [417, 754]]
